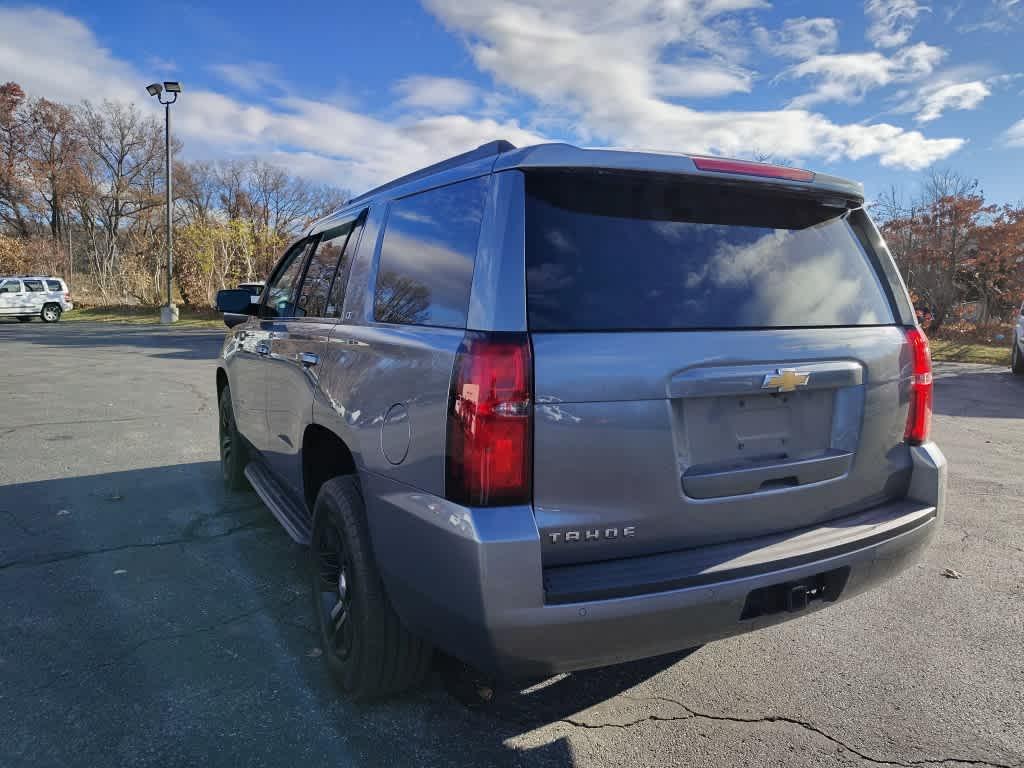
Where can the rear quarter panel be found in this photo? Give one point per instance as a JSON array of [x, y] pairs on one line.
[[368, 368]]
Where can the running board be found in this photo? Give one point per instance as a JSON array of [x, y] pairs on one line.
[[292, 518]]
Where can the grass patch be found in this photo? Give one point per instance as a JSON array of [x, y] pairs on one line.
[[965, 352], [187, 318]]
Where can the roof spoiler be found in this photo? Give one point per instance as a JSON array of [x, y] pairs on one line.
[[490, 149]]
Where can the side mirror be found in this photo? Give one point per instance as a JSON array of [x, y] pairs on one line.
[[235, 301]]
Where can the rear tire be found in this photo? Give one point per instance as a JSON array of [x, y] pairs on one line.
[[1016, 359], [233, 450], [367, 650], [50, 313]]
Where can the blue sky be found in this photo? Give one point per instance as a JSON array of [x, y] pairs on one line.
[[353, 94]]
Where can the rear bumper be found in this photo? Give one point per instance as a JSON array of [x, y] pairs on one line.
[[477, 589]]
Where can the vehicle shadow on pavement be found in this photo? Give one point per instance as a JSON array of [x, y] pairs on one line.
[[163, 621], [978, 391], [166, 343]]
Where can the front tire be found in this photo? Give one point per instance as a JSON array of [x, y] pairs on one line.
[[367, 650], [1016, 358], [233, 453], [50, 313]]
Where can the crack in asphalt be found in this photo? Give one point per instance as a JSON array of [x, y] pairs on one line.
[[60, 557], [82, 675], [67, 422], [693, 714], [967, 534]]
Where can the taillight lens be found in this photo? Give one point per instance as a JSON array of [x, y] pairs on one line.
[[919, 417], [489, 421]]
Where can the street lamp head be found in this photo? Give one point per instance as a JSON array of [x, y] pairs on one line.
[[172, 86], [154, 89]]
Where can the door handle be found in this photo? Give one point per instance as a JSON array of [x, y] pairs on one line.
[[262, 349], [308, 359]]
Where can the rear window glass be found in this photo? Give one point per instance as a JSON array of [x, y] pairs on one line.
[[53, 285], [623, 252], [427, 257]]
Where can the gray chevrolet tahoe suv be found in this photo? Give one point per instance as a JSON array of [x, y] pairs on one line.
[[553, 408]]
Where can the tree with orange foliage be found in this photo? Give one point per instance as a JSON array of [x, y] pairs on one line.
[[935, 239]]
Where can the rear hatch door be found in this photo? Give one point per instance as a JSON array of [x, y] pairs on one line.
[[713, 362]]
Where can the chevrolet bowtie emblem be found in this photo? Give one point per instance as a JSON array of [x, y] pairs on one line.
[[785, 380]]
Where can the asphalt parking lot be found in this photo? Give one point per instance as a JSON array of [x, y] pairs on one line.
[[149, 618]]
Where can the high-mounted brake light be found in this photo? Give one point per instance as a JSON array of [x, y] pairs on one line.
[[748, 168], [919, 416], [489, 458]]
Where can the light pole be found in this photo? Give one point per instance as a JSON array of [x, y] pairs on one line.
[[169, 313]]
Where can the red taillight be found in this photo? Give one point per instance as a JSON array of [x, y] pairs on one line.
[[749, 168], [919, 417], [489, 421]]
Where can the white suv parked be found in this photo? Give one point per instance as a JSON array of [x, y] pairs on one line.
[[28, 296]]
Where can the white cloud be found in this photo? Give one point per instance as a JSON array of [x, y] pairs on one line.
[[607, 62], [53, 55], [937, 99], [799, 38], [847, 77], [607, 72], [1014, 135], [996, 16], [698, 79], [161, 66], [367, 149], [892, 22], [318, 140], [250, 77], [436, 93]]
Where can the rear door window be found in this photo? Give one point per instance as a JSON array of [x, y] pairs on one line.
[[428, 254], [323, 265], [631, 252], [337, 297], [34, 286]]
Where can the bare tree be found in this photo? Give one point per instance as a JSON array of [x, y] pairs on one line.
[[196, 187], [122, 159], [102, 166], [53, 148], [14, 191]]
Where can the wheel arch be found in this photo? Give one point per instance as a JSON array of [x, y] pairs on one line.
[[324, 456]]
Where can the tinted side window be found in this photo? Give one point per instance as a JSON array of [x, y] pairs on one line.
[[11, 286], [316, 286], [427, 257], [53, 285], [280, 293], [337, 298], [35, 286]]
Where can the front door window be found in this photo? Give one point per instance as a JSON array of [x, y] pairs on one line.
[[279, 295]]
